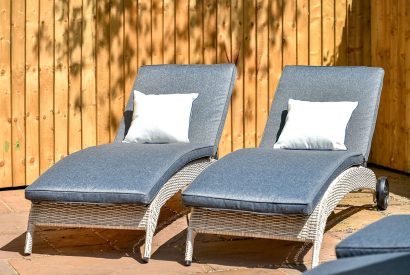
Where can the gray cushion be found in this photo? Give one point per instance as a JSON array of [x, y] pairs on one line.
[[214, 83], [390, 234], [360, 84], [392, 263], [114, 173], [268, 180]]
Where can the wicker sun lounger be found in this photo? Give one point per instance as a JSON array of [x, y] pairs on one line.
[[289, 194], [124, 185]]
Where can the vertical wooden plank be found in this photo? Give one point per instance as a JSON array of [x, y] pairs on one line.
[[224, 56], [157, 32], [131, 45], [406, 98], [6, 164], [18, 32], [144, 33], [169, 31], [289, 33], [250, 73], [354, 35], [315, 30], [209, 31], [32, 106], [302, 33], [61, 79], [181, 31], [46, 64], [195, 32], [262, 74], [275, 46], [89, 111], [74, 76], [103, 72], [117, 62], [328, 31], [340, 33], [237, 58]]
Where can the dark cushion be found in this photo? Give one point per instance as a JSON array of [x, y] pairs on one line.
[[114, 173], [390, 234], [268, 180], [362, 84], [213, 83], [385, 264]]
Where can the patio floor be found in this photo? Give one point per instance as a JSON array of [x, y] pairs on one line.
[[89, 251]]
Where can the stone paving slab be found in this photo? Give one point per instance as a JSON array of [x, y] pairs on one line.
[[103, 251]]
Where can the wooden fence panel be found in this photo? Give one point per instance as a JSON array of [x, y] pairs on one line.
[[67, 67]]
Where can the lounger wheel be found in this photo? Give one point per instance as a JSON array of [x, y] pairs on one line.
[[188, 263], [145, 260], [382, 193]]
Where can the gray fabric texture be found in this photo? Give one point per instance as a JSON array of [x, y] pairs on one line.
[[390, 234], [213, 83], [114, 173], [386, 264], [362, 84], [269, 181]]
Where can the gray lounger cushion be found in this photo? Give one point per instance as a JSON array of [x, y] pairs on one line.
[[268, 180], [362, 84], [390, 234], [385, 264], [214, 83], [114, 173]]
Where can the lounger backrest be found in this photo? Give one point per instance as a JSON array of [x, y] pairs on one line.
[[213, 83], [362, 84]]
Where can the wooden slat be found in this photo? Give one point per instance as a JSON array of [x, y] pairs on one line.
[[315, 30], [262, 67], [209, 31], [181, 32], [302, 32], [103, 72], [116, 65], [328, 39], [5, 96], [18, 92], [130, 45], [46, 84], [289, 33], [74, 75], [340, 32], [237, 58], [169, 31], [406, 99], [32, 103], [224, 55], [250, 73], [275, 46], [89, 108], [144, 33], [157, 32], [196, 41], [61, 80]]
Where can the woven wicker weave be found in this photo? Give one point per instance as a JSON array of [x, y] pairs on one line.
[[114, 216], [305, 228]]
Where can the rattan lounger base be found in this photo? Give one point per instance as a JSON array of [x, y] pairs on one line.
[[305, 228]]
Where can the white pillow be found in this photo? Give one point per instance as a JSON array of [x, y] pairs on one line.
[[160, 118], [315, 125]]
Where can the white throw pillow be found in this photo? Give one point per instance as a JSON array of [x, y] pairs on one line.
[[160, 118], [315, 125]]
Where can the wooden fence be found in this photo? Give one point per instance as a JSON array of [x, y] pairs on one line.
[[66, 66]]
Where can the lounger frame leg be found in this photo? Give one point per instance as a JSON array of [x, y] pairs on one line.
[[189, 249], [294, 227], [113, 216], [28, 247]]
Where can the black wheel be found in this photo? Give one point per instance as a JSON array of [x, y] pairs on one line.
[[382, 193], [145, 260], [188, 263]]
